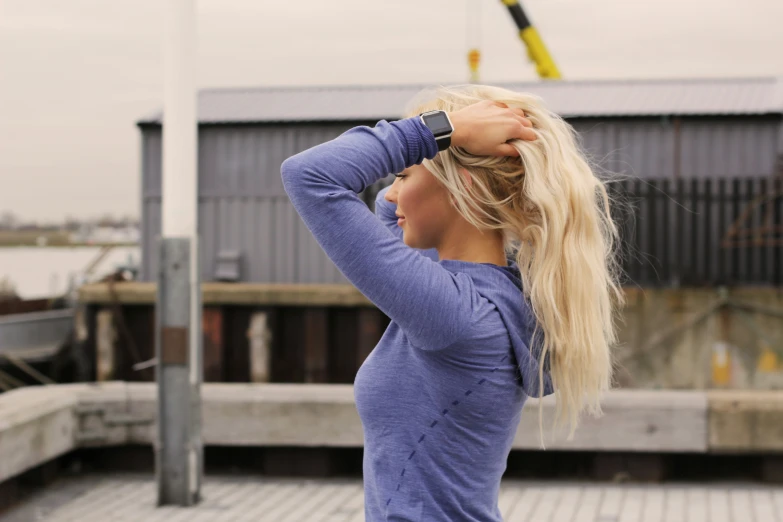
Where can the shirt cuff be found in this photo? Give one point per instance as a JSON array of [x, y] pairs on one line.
[[419, 139]]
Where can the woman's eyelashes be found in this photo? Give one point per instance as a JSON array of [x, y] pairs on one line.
[[401, 176]]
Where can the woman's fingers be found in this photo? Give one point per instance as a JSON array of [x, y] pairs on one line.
[[506, 150], [528, 134], [525, 130]]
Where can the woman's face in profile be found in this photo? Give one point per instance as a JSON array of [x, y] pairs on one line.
[[424, 204]]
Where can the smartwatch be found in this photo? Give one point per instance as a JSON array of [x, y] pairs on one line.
[[440, 125]]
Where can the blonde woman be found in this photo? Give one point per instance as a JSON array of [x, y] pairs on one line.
[[493, 259]]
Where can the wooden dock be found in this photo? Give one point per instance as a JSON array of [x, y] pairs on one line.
[[131, 498]]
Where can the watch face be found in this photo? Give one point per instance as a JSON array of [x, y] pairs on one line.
[[438, 123]]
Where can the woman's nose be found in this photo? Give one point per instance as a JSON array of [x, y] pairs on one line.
[[391, 194]]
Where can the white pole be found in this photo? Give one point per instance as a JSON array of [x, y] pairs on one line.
[[179, 122], [179, 450], [180, 138]]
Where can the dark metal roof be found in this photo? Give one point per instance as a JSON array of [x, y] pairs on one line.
[[622, 98]]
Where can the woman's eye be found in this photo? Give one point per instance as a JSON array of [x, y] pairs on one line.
[[401, 176]]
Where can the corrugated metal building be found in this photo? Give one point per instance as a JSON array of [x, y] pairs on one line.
[[691, 129]]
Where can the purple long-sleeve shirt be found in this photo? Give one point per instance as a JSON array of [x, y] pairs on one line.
[[440, 396]]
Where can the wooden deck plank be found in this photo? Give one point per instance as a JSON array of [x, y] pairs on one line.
[[507, 497], [356, 504], [653, 505], [263, 508], [633, 504], [777, 497], [739, 504], [223, 498], [763, 508], [675, 505], [696, 509], [718, 505], [334, 508], [546, 505], [133, 498], [295, 497], [589, 505], [568, 503], [525, 505], [610, 503], [311, 506]]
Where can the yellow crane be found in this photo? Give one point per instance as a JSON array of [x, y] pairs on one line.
[[536, 49]]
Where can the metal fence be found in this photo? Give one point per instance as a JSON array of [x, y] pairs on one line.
[[695, 232], [701, 232]]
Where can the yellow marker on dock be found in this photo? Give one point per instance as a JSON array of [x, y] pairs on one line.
[[721, 364], [769, 361]]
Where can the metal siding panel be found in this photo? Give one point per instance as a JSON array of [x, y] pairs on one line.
[[249, 237], [208, 222], [257, 150], [264, 250], [251, 157], [151, 190], [728, 148], [569, 98], [239, 226], [309, 256], [208, 159], [236, 161], [145, 161], [155, 165], [225, 163], [146, 239], [766, 135], [687, 151], [274, 147], [284, 247], [243, 161], [151, 229], [222, 223], [282, 145], [662, 161]]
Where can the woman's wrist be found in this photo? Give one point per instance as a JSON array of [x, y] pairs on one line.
[[459, 135]]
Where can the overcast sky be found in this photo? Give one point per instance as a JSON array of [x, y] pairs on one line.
[[75, 75]]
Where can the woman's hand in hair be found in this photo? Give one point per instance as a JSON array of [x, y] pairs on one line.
[[484, 128]]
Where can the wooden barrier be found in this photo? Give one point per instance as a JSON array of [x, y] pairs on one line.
[[40, 423]]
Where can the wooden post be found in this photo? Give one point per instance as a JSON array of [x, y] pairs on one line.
[[315, 345], [105, 346], [212, 326], [369, 327], [260, 338]]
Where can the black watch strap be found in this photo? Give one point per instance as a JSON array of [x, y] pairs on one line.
[[443, 143]]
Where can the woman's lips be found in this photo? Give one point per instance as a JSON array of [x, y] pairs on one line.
[[399, 221]]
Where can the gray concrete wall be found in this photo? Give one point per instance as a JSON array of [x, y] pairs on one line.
[[682, 339], [37, 424]]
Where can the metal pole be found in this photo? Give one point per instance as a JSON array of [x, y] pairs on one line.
[[178, 450]]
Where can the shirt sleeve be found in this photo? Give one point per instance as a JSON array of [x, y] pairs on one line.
[[432, 306], [386, 212]]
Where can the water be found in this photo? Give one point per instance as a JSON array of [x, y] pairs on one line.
[[37, 272]]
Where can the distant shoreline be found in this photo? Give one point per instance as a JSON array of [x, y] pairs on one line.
[[30, 238], [66, 245]]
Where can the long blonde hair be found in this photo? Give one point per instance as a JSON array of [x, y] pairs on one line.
[[554, 214]]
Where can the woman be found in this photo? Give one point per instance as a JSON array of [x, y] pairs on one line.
[[498, 278]]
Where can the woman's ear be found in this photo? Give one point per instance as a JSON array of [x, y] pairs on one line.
[[468, 181], [467, 176]]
